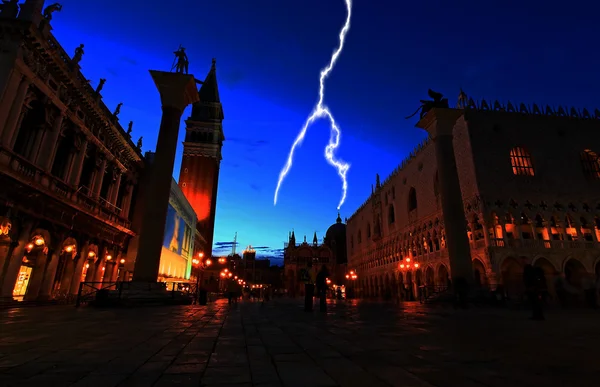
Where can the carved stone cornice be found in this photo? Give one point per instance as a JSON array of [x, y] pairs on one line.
[[202, 149]]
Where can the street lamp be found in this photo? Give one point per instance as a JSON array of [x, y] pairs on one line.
[[352, 276], [201, 266]]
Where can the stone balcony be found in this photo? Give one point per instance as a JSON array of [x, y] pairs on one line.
[[537, 244], [27, 173]]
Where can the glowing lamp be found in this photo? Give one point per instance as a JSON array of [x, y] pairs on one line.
[[69, 249], [223, 275], [416, 265], [201, 255], [5, 226], [195, 261], [38, 241], [235, 277], [29, 246], [87, 265], [401, 266], [347, 276], [91, 254], [229, 274], [407, 259], [122, 260], [208, 262], [108, 257], [104, 268]]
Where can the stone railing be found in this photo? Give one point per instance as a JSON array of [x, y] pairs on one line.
[[543, 244], [30, 174]]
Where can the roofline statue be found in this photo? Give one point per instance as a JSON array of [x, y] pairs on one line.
[[438, 101], [9, 9], [49, 10]]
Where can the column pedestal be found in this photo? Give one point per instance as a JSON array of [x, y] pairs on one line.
[[439, 123], [176, 92]]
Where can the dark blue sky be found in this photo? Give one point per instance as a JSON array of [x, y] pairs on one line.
[[269, 54]]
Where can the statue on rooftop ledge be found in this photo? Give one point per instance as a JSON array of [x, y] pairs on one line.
[[181, 62], [100, 85], [9, 9], [438, 101], [130, 128], [56, 7], [118, 109], [463, 100], [78, 54], [139, 143]]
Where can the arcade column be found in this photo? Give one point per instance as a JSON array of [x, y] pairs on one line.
[[177, 91], [439, 123]]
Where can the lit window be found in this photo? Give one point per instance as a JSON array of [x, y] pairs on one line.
[[520, 161], [590, 164]]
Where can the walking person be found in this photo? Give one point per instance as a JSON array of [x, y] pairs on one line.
[[322, 288]]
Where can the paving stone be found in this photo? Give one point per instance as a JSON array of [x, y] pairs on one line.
[[226, 375]]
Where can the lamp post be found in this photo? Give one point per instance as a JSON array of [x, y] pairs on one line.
[[201, 265], [408, 266], [351, 276]]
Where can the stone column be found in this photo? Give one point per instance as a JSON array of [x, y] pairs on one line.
[[37, 276], [5, 251], [115, 190], [99, 179], [50, 143], [78, 271], [15, 112], [176, 92], [439, 123], [48, 281], [13, 79], [14, 264], [79, 158], [67, 276], [127, 202], [486, 231]]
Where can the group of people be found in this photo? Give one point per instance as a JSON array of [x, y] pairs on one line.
[[235, 291]]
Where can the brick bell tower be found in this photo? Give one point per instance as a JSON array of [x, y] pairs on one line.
[[199, 174]]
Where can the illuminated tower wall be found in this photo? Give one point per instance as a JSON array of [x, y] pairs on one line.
[[199, 174]]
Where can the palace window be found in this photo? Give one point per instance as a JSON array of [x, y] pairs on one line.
[[590, 164], [391, 215], [412, 199], [520, 161]]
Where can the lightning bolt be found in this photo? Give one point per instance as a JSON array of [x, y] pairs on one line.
[[320, 111]]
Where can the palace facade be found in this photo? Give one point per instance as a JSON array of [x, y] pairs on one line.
[[530, 184], [68, 170]]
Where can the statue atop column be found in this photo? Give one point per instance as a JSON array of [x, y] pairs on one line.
[[78, 55], [139, 143], [181, 61], [377, 180], [117, 110], [100, 85], [9, 9], [130, 128], [438, 101], [56, 7]]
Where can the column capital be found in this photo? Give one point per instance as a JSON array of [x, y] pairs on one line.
[[176, 90], [440, 121]]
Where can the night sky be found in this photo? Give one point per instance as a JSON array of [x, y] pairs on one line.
[[269, 54]]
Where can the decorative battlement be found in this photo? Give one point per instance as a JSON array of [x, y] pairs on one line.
[[407, 160], [534, 109]]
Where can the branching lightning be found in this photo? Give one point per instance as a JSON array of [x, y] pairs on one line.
[[320, 111]]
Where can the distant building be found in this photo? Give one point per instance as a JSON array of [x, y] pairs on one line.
[[178, 246], [529, 179]]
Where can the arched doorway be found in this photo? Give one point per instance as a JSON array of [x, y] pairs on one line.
[[443, 276], [479, 274], [512, 277], [550, 275], [575, 273]]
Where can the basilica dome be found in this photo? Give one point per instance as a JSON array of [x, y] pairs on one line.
[[335, 238]]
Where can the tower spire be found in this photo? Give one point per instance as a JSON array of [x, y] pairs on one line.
[[315, 240]]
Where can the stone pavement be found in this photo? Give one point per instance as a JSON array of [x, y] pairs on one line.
[[355, 344]]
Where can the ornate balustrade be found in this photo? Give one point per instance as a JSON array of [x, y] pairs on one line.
[[20, 169]]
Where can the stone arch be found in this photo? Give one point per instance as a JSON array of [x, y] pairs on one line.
[[512, 276], [44, 233], [479, 275], [429, 276], [34, 119], [412, 199], [442, 275], [574, 272], [550, 273]]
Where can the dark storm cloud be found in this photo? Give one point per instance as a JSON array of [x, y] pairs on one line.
[[128, 60], [261, 247], [224, 245]]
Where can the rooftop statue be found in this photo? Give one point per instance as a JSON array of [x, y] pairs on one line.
[[139, 143], [130, 128], [100, 85], [56, 7], [181, 62], [463, 100], [78, 54], [118, 109], [438, 101], [9, 9]]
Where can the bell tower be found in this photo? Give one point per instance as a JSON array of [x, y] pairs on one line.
[[199, 174]]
